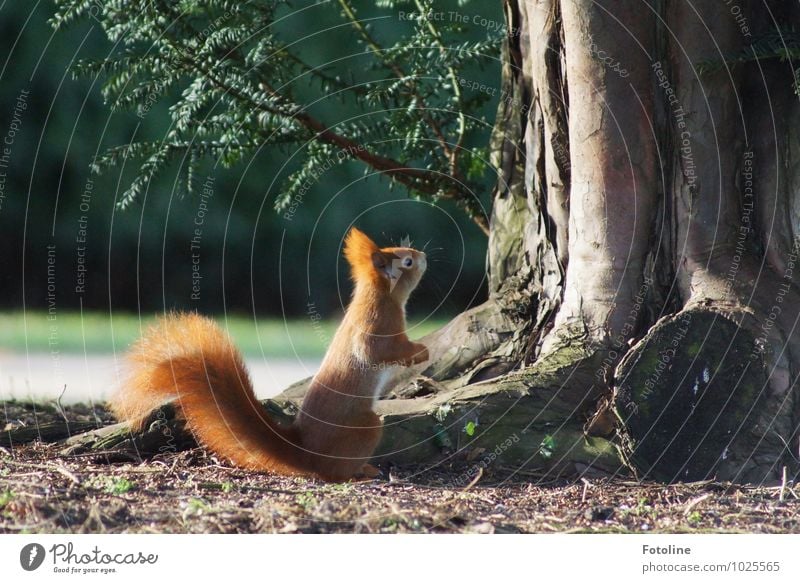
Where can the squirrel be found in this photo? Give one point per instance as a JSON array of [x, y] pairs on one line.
[[187, 358]]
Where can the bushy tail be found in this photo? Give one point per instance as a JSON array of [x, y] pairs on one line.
[[189, 359]]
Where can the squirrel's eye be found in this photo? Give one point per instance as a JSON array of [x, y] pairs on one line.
[[408, 262]]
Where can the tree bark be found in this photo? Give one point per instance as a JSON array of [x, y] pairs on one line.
[[638, 196]]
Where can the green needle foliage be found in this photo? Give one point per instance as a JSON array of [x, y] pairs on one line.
[[237, 84], [780, 43]]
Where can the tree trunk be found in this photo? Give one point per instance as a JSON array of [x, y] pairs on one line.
[[642, 252], [643, 243]]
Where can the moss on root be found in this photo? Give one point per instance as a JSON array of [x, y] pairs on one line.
[[530, 420], [692, 396]]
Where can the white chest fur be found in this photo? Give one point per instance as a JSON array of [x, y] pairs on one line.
[[382, 379]]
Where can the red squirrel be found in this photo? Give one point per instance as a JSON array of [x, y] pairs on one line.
[[189, 359]]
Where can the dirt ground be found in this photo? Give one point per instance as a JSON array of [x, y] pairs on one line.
[[191, 491]]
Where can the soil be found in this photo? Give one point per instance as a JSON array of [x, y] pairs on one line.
[[42, 491]]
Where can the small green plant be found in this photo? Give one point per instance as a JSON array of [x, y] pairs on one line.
[[307, 500], [470, 427], [227, 487], [109, 484], [196, 505], [5, 497], [343, 488], [643, 508], [547, 447], [118, 486], [694, 517]]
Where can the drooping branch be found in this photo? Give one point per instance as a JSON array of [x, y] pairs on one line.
[[409, 82], [235, 61], [424, 181], [457, 93]]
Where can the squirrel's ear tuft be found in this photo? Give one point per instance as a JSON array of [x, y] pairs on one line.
[[359, 250]]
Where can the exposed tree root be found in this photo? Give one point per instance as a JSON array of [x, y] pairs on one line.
[[694, 395]]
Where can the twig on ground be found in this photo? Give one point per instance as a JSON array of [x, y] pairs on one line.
[[586, 485], [694, 502], [475, 480]]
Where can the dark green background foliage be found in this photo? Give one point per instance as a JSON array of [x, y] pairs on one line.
[[250, 255]]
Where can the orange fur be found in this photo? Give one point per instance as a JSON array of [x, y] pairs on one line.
[[358, 250], [187, 358]]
